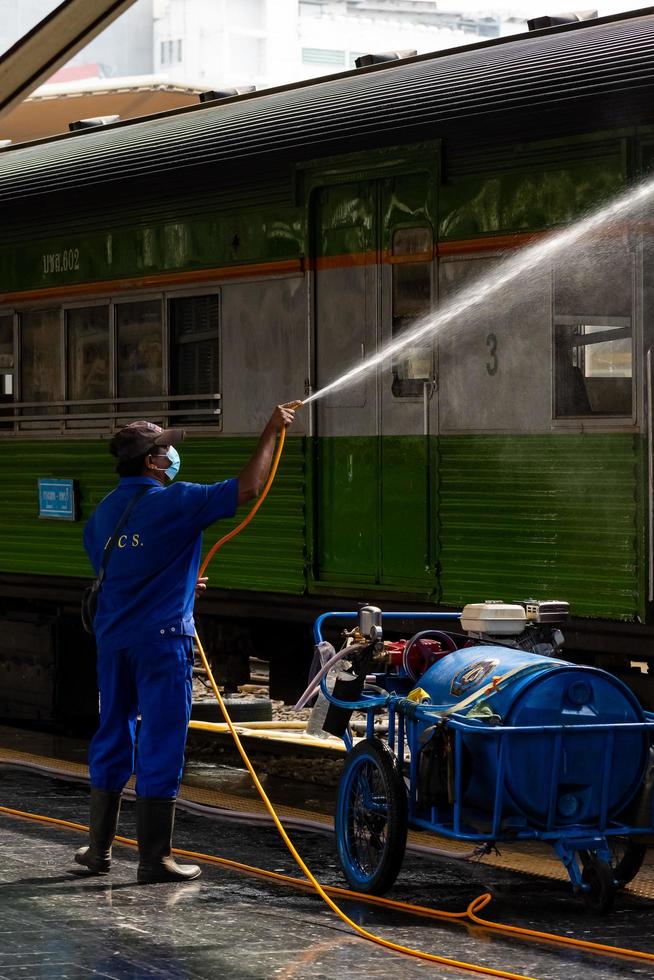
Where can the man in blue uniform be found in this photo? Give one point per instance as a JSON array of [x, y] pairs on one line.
[[144, 630]]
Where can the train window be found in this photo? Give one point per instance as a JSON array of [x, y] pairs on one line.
[[6, 358], [194, 351], [139, 354], [40, 364], [87, 346], [413, 242], [7, 387], [592, 367], [412, 296]]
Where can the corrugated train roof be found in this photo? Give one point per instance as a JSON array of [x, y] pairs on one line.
[[529, 72]]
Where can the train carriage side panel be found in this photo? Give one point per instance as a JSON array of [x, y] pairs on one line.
[[541, 456], [264, 351], [372, 526]]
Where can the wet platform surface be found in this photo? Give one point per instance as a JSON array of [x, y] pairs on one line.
[[55, 924]]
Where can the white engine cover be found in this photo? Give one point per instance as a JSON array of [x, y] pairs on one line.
[[496, 618]]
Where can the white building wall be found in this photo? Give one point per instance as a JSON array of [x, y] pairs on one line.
[[225, 42], [125, 47], [18, 18], [283, 52], [332, 41]]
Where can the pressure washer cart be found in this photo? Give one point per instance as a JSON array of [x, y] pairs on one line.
[[488, 737]]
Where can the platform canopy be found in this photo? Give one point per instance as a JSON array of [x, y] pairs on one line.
[[51, 108]]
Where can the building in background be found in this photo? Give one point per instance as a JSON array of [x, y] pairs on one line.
[[125, 48], [161, 53], [224, 43], [230, 43], [333, 33], [17, 18]]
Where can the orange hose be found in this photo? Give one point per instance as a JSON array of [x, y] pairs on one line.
[[459, 918], [482, 901], [257, 504]]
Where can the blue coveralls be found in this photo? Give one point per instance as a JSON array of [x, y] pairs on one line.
[[144, 628]]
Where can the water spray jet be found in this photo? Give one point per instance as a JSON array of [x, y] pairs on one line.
[[491, 284]]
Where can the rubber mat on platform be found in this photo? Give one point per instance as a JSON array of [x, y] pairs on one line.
[[280, 736]]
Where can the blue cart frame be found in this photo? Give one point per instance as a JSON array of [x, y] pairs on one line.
[[585, 850]]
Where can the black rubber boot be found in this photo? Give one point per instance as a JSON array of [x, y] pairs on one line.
[[154, 831], [105, 807]]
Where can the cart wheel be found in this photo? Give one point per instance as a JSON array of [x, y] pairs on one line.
[[599, 876], [628, 856], [371, 817]]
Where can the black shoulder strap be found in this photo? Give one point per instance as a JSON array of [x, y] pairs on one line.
[[108, 548]]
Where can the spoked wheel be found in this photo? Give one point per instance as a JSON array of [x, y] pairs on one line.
[[627, 858], [600, 878], [371, 817]]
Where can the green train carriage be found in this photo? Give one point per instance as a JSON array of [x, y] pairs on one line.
[[197, 266]]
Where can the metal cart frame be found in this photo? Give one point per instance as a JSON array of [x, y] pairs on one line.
[[585, 849]]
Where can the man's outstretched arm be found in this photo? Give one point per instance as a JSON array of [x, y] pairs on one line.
[[254, 474]]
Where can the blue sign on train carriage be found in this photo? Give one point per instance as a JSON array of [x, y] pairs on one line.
[[58, 499]]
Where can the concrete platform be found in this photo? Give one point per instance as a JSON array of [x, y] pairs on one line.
[[55, 924]]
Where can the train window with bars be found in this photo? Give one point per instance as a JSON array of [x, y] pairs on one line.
[[411, 259], [69, 353], [88, 360], [40, 364], [593, 367], [139, 357], [194, 353]]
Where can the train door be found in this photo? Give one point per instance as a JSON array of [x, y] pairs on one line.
[[406, 387], [346, 262], [372, 519]]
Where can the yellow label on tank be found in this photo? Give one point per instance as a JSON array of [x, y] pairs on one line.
[[418, 694]]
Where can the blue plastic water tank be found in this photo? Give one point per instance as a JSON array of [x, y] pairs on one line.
[[542, 692]]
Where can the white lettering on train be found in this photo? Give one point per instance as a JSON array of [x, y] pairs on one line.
[[66, 261]]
